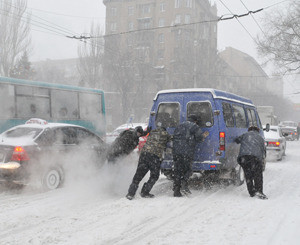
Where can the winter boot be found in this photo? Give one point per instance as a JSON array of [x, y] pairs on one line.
[[129, 197], [147, 195], [177, 193], [261, 195], [185, 188]]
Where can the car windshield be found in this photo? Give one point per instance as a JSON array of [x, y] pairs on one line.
[[22, 132]]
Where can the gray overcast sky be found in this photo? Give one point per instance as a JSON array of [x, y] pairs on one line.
[[49, 46], [45, 45]]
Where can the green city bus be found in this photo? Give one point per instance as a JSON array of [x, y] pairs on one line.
[[21, 100]]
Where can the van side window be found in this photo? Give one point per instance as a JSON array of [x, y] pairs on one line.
[[251, 117], [240, 116], [203, 111], [227, 114], [168, 115]]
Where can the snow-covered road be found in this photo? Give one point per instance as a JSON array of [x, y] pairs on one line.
[[96, 212]]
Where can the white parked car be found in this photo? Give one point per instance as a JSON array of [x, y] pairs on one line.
[[110, 137], [289, 130], [275, 142]]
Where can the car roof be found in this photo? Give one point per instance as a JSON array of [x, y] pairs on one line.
[[43, 126], [131, 125]]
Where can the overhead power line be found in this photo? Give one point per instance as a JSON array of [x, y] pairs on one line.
[[222, 18], [237, 18]]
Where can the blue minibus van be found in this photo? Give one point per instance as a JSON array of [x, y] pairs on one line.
[[224, 115]]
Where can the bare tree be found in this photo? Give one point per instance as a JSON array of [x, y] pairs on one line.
[[281, 40], [14, 33], [90, 59]]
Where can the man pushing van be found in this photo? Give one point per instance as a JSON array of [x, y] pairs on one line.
[[251, 155], [186, 136]]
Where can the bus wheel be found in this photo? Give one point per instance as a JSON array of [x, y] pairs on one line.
[[52, 179], [239, 177]]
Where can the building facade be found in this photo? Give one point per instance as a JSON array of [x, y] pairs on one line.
[[158, 44]]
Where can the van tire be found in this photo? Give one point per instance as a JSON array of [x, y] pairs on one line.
[[239, 177]]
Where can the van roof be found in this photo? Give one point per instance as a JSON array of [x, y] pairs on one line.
[[219, 94]]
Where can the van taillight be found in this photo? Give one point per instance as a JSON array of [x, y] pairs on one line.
[[222, 141], [19, 154]]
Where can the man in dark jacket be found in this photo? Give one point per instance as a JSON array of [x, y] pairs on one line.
[[125, 143], [251, 156], [150, 159], [186, 136]]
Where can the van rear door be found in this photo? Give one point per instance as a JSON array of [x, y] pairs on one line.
[[203, 106]]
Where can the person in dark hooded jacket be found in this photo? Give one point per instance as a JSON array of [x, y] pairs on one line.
[[186, 136], [125, 143], [251, 156], [150, 160]]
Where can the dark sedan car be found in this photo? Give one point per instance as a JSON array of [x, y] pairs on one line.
[[46, 151]]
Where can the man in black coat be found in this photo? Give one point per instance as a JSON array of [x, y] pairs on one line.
[[186, 136], [251, 156], [125, 143]]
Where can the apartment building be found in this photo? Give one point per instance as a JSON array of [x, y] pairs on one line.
[[164, 43], [174, 36]]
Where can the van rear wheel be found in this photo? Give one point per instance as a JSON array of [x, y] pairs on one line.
[[239, 177]]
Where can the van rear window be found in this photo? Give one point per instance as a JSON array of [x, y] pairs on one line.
[[168, 115], [203, 111]]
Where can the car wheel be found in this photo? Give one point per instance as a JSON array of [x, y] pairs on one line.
[[239, 178], [52, 179]]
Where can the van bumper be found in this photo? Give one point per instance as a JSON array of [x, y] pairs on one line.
[[197, 166]]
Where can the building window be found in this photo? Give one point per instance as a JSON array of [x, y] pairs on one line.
[[113, 26], [161, 38], [177, 19], [177, 3], [160, 53], [147, 24], [162, 7], [113, 11], [146, 9], [130, 10], [187, 19], [161, 23], [189, 3], [130, 26]]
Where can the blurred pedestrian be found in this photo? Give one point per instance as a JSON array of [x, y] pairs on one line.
[[150, 160], [125, 143], [186, 136], [251, 157]]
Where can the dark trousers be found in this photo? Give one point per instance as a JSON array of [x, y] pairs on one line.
[[147, 162], [253, 170], [182, 170]]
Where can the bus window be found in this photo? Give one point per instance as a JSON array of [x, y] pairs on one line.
[[240, 116], [90, 105], [33, 107], [30, 104], [7, 101], [64, 104], [203, 111], [227, 114], [168, 115]]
